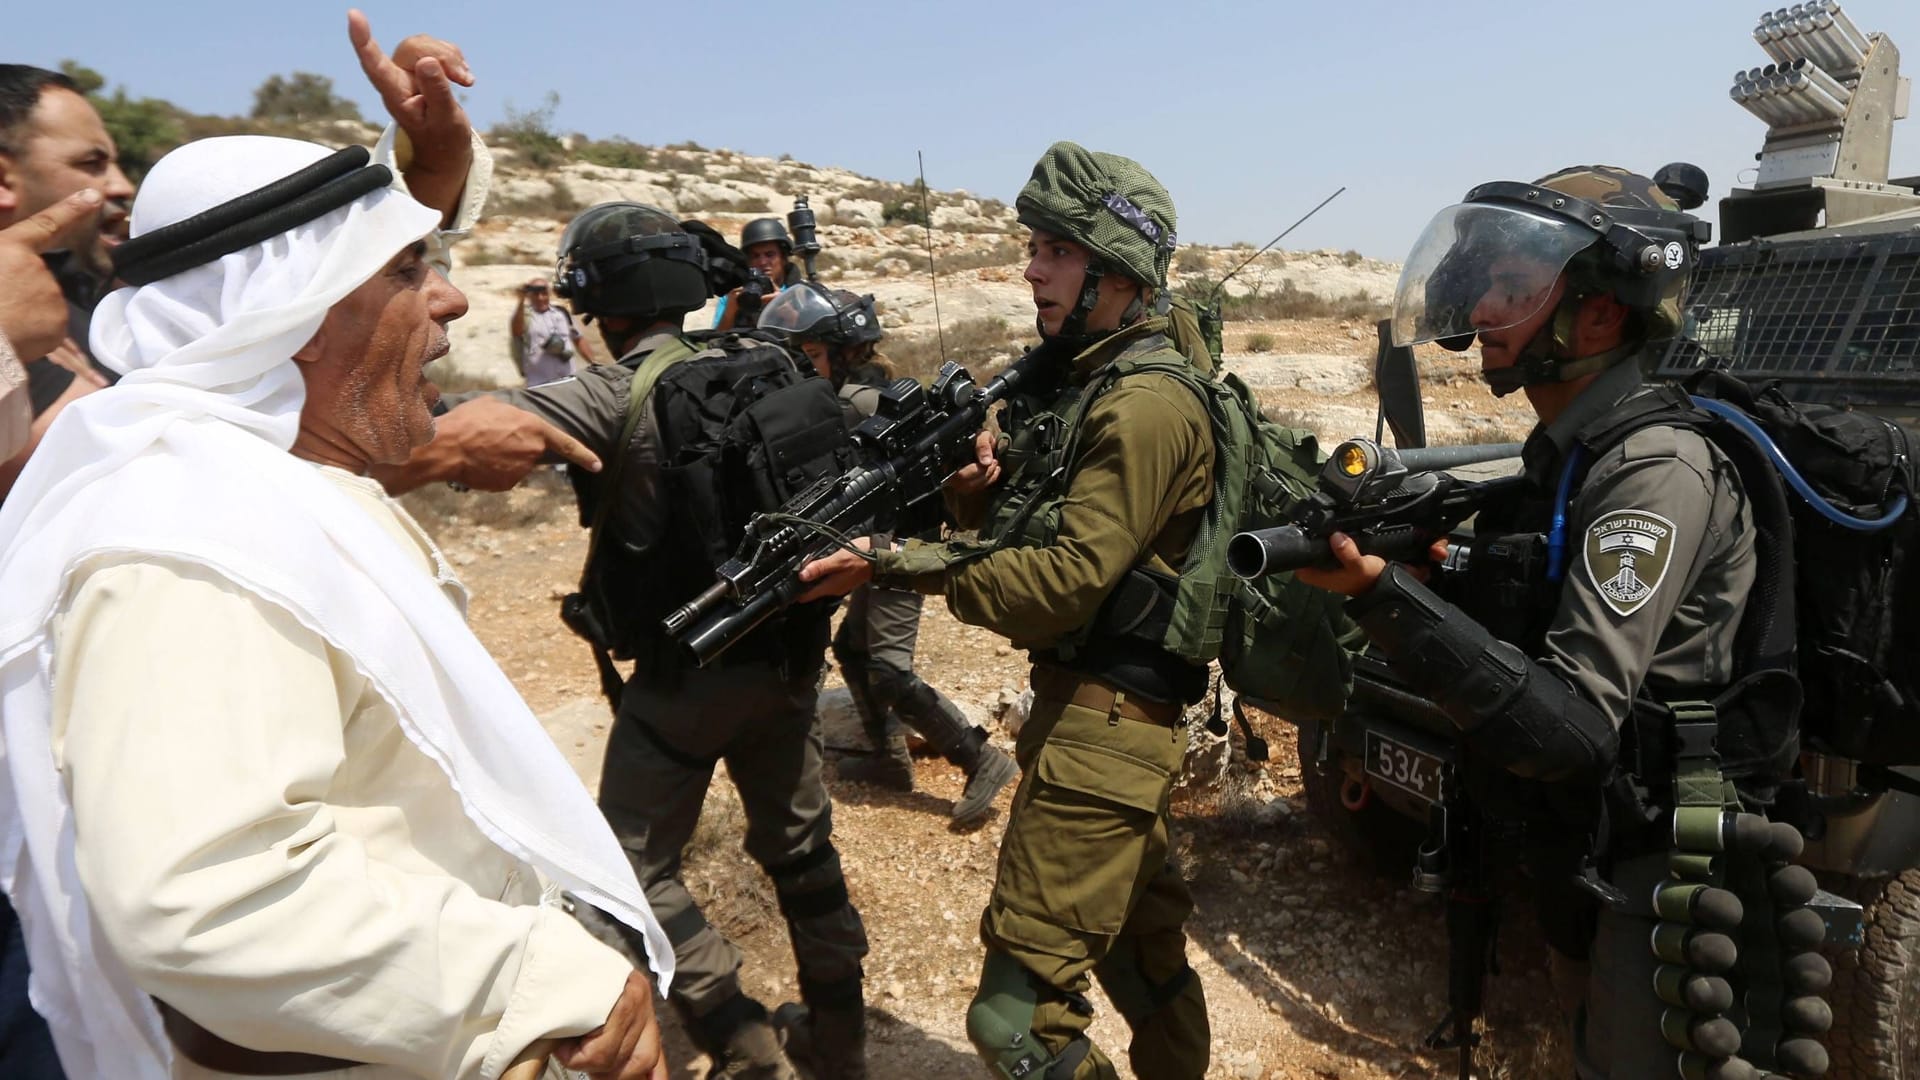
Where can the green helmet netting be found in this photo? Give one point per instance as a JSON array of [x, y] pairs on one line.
[[1106, 203]]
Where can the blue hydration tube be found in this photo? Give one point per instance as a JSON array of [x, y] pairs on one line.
[[1557, 538], [1890, 514]]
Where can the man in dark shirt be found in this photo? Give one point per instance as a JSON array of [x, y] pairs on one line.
[[52, 144]]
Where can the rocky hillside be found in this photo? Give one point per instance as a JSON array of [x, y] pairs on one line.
[[1300, 322]]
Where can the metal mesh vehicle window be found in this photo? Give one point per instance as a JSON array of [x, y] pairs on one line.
[[1833, 319]]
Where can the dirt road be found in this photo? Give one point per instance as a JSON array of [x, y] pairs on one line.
[[1314, 968]]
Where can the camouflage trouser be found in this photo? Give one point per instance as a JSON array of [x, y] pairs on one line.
[[660, 758], [874, 647], [1085, 890]]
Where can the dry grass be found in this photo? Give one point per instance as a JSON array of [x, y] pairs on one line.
[[486, 255], [615, 153], [741, 204], [543, 498], [976, 344], [445, 513], [733, 893], [557, 201], [1005, 252], [1290, 301]]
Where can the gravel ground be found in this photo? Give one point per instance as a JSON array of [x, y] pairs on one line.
[[1315, 968]]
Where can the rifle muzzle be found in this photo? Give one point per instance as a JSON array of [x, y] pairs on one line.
[[677, 620], [1278, 550], [719, 631], [1286, 548]]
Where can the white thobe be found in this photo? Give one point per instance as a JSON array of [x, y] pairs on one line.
[[267, 852]]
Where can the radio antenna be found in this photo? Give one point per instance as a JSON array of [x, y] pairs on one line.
[[926, 228], [1221, 287]]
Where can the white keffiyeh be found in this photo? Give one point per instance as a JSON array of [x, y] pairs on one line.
[[187, 458]]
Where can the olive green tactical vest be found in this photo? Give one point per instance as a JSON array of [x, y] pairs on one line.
[[1277, 639]]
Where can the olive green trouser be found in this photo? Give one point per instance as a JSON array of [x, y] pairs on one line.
[[758, 718], [1085, 889]]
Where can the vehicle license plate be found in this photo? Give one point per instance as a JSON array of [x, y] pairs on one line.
[[1412, 771]]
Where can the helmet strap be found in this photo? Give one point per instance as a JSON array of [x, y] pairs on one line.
[[1548, 357], [1075, 324]]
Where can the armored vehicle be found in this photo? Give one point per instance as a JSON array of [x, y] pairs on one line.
[[1815, 284]]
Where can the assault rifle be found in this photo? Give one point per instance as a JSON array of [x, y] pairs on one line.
[[1454, 863], [1394, 503], [910, 445]]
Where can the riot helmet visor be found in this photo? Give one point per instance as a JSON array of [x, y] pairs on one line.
[[1481, 266], [802, 310]]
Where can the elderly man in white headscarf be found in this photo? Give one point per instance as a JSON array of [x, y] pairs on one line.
[[267, 805]]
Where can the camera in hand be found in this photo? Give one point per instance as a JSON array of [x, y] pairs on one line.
[[758, 286]]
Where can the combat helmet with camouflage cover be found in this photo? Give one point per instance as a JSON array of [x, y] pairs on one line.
[[631, 260], [1110, 205], [1492, 260]]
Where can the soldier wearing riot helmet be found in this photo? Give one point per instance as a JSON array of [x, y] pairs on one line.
[[637, 273], [1070, 539], [1626, 622], [769, 253], [839, 331]]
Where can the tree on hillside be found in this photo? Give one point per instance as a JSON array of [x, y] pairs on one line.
[[142, 128], [88, 80], [531, 133], [301, 96]]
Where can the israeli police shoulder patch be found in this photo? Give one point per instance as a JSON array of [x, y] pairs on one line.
[[1627, 555]]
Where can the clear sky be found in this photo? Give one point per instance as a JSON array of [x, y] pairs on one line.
[[1250, 112]]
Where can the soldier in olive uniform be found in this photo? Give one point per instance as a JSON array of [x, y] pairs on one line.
[[634, 270], [874, 646], [1078, 518], [1570, 285]]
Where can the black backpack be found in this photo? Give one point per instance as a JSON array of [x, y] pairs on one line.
[[743, 425], [1858, 601], [1842, 587]]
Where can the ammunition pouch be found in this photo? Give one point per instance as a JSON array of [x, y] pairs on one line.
[[1755, 740], [1125, 645]]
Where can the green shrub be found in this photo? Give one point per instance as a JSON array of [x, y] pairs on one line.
[[1260, 343], [972, 343], [616, 153], [904, 212], [1006, 252], [300, 97], [1192, 260], [530, 132]]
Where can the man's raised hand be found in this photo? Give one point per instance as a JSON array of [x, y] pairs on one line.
[[416, 85], [33, 311]]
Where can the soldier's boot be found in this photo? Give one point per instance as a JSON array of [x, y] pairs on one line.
[[740, 1038], [990, 769], [891, 767], [825, 1043], [947, 730]]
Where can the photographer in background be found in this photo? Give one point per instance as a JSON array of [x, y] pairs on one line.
[[770, 268], [544, 337]]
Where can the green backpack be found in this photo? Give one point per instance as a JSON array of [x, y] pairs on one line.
[[1196, 332], [1278, 640]]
